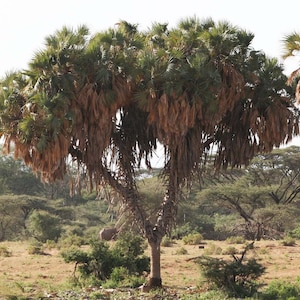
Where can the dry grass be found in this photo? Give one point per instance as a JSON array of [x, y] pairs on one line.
[[24, 274], [281, 262]]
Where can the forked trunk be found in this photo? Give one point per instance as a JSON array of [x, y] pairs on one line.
[[155, 275], [153, 232]]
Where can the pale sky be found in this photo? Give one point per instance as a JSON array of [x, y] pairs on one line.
[[25, 24]]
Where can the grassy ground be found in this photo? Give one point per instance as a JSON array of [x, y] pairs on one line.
[[27, 275]]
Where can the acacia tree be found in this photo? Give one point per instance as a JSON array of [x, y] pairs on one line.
[[16, 178], [107, 101], [265, 194]]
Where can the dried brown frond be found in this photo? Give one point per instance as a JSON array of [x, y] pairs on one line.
[[231, 90], [293, 75], [172, 115], [298, 92]]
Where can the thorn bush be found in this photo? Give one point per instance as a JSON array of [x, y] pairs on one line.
[[237, 277]]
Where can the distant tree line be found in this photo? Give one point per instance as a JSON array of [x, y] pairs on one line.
[[261, 201]]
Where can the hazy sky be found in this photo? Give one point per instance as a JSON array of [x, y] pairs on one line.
[[25, 24]]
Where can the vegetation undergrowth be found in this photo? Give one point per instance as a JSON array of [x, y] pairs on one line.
[[123, 264], [237, 277], [280, 289]]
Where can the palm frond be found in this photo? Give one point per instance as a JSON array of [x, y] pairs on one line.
[[291, 44]]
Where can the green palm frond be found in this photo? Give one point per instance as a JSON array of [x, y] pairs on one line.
[[194, 24], [67, 38], [291, 44], [192, 84], [26, 127], [127, 28], [105, 39], [13, 94]]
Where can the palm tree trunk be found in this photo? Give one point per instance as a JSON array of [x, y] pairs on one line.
[[153, 232], [155, 275]]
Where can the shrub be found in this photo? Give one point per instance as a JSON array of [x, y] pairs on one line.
[[263, 250], [128, 251], [182, 230], [289, 241], [192, 239], [230, 251], [35, 247], [237, 277], [50, 244], [181, 251], [119, 274], [235, 240], [101, 261], [43, 226], [295, 233], [212, 249], [76, 228], [225, 225], [166, 242], [133, 281], [71, 240], [282, 290], [110, 265], [4, 252], [98, 295], [75, 254]]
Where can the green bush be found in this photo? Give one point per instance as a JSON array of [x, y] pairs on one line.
[[192, 239], [119, 274], [98, 295], [278, 290], [44, 226], [182, 230], [289, 241], [110, 265], [225, 224], [128, 252], [101, 261], [75, 228], [237, 277], [75, 255], [133, 281], [71, 240], [295, 233]]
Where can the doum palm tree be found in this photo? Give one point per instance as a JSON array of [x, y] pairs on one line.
[[291, 43], [109, 100]]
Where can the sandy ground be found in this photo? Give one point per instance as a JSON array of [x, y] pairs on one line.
[[33, 273]]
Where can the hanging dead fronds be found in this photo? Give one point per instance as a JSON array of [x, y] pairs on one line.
[[231, 89], [298, 92], [172, 115], [251, 129], [95, 112]]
